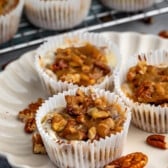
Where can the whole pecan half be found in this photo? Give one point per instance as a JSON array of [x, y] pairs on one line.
[[158, 141], [132, 160], [163, 33]]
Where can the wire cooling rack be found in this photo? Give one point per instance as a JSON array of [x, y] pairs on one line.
[[99, 17]]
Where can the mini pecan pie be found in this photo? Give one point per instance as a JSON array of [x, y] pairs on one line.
[[76, 59], [143, 84], [147, 83], [83, 127], [84, 117]]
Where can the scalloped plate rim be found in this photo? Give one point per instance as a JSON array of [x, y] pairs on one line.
[[9, 156]]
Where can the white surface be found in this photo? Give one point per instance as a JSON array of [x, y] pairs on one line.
[[20, 85]]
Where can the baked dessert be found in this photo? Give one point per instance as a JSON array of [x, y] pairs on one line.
[[76, 59], [83, 127], [10, 13], [56, 14], [147, 84], [128, 5], [143, 84]]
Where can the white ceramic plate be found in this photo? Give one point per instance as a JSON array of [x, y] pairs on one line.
[[19, 85]]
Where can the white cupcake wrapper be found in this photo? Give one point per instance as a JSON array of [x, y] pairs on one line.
[[128, 5], [147, 117], [54, 86], [9, 22], [57, 15], [80, 153]]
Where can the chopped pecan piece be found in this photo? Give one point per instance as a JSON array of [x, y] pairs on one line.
[[25, 114], [92, 133], [30, 111], [58, 122], [75, 105], [148, 20], [28, 117], [98, 114], [103, 67], [38, 146], [30, 125]]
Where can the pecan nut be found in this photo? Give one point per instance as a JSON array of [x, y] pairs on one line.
[[38, 146], [132, 160], [163, 33], [30, 125], [158, 141]]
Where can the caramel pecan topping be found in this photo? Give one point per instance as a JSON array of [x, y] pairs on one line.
[[85, 117], [158, 141], [132, 160], [147, 83], [85, 65]]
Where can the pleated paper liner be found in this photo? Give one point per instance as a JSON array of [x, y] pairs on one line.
[[57, 14], [9, 22]]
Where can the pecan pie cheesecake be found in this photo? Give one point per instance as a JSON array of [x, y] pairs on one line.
[[75, 60], [143, 84], [83, 127], [147, 84], [10, 13], [56, 14]]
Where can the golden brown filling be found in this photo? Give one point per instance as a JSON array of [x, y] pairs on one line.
[[85, 118], [86, 65], [7, 5], [148, 83]]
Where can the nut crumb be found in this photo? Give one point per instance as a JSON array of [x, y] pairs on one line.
[[38, 146]]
